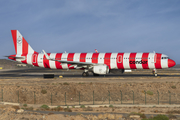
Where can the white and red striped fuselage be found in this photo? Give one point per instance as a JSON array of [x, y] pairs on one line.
[[112, 60], [98, 63]]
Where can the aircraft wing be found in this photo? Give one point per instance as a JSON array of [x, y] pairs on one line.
[[69, 62]]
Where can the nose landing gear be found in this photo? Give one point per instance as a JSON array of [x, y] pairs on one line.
[[155, 72]]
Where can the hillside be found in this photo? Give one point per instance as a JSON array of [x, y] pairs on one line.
[[9, 64]]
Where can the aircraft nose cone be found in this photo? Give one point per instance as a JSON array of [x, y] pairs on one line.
[[171, 63]]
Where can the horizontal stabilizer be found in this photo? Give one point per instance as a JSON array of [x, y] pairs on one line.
[[13, 57]]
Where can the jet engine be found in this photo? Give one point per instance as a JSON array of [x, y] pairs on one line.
[[101, 69]]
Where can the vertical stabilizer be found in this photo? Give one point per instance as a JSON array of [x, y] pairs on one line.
[[20, 44]]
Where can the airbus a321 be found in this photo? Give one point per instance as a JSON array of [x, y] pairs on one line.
[[97, 63]]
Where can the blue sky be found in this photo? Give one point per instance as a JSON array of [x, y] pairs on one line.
[[85, 25]]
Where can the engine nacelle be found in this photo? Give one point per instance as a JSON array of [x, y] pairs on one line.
[[101, 69]]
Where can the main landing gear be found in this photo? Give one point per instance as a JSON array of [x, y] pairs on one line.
[[155, 72], [85, 74]]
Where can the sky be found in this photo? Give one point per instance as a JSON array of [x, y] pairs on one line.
[[86, 25]]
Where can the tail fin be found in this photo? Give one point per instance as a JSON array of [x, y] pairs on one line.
[[20, 44]]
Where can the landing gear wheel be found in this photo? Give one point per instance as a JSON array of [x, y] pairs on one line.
[[85, 74], [155, 72], [95, 74]]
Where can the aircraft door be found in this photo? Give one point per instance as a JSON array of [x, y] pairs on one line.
[[119, 59], [34, 58], [155, 58]]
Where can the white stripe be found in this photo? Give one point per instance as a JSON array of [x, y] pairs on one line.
[[164, 63], [113, 59], [126, 61], [52, 63], [88, 57], [139, 58], [29, 59], [76, 57], [151, 64], [64, 57], [30, 50], [40, 60], [19, 43], [101, 58]]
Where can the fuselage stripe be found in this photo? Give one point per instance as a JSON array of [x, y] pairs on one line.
[[70, 58], [58, 64], [95, 57], [107, 59], [145, 60], [132, 60], [119, 60], [158, 61], [46, 61], [35, 60], [83, 57]]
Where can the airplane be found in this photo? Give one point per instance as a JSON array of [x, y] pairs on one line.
[[97, 63]]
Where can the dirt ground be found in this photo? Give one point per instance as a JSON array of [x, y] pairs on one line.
[[106, 113], [107, 92], [73, 92]]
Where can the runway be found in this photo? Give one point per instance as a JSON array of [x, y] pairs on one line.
[[39, 72], [35, 76]]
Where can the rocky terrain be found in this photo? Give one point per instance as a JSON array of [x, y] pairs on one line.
[[107, 113], [84, 93], [9, 64]]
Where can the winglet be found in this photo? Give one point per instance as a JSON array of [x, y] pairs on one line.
[[47, 56]]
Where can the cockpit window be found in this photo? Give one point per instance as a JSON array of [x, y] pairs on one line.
[[165, 58]]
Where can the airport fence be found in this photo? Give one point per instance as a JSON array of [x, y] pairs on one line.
[[93, 98]]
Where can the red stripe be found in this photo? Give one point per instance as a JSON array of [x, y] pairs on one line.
[[35, 60], [120, 64], [46, 61], [107, 59], [35, 52], [14, 36], [145, 60], [132, 60], [25, 46], [24, 50], [95, 57], [158, 61], [82, 57], [12, 57], [58, 64], [70, 57]]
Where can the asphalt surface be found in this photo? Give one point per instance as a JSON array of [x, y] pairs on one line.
[[39, 72]]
